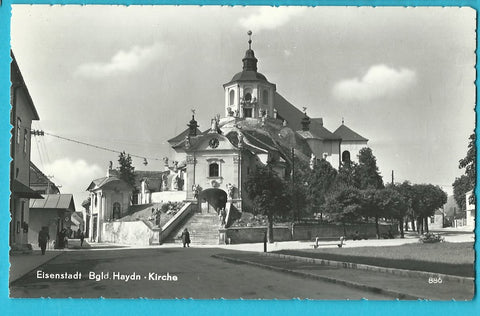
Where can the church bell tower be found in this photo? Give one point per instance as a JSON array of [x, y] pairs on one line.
[[249, 94]]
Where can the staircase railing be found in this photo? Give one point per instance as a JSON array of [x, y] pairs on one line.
[[176, 220]]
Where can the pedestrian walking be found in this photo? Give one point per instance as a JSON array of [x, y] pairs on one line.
[[81, 235], [43, 238], [186, 238]]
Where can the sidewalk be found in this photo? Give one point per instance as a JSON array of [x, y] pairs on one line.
[[22, 264], [397, 286]]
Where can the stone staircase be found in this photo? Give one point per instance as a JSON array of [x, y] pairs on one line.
[[203, 229]]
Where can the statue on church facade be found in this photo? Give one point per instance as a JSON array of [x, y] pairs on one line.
[[187, 142], [240, 140], [165, 161], [313, 160], [165, 182], [230, 190]]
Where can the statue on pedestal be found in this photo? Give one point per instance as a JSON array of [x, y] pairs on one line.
[[230, 190]]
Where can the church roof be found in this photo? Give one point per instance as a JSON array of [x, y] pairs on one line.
[[154, 179], [180, 137], [318, 131], [101, 182], [288, 112], [346, 134], [247, 75]]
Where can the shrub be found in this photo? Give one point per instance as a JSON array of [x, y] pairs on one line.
[[431, 238]]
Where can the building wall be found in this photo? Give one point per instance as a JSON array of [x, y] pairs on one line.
[[129, 233], [330, 147], [45, 217], [20, 166], [353, 148], [238, 235], [226, 169]]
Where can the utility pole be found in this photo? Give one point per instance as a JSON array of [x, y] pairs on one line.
[[393, 178], [293, 184]]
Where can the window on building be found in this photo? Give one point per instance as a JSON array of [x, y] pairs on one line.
[[25, 141], [117, 210], [247, 112], [19, 129], [232, 97], [248, 97], [346, 156], [265, 96], [213, 170]]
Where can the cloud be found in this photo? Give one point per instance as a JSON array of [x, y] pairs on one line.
[[380, 81], [270, 17], [73, 176], [123, 61]]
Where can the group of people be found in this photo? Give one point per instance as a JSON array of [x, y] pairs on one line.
[[61, 241]]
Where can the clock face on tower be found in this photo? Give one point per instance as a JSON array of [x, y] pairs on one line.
[[213, 142]]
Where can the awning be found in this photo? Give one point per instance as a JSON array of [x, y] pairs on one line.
[[20, 190]]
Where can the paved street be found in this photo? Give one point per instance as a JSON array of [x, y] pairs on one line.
[[199, 276]]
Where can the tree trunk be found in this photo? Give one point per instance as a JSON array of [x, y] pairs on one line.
[[413, 224], [420, 225], [401, 227], [426, 224], [377, 228], [405, 219], [270, 229]]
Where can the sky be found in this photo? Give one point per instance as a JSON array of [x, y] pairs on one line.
[[126, 78]]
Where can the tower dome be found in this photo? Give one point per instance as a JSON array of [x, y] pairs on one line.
[[249, 94]]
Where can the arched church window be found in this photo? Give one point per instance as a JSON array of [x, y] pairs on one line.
[[265, 96], [213, 170], [116, 210], [346, 156], [232, 97], [248, 97]]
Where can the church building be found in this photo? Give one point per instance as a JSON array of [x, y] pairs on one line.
[[208, 169], [259, 126]]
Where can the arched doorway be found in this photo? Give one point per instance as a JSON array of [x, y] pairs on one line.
[[212, 200]]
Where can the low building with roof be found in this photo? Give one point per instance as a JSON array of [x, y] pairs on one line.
[[52, 211]]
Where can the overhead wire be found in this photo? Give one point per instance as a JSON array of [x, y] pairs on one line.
[[99, 147]]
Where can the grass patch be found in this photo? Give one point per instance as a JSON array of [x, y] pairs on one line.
[[447, 258]]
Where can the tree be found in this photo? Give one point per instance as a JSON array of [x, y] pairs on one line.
[[344, 205], [319, 182], [460, 187], [367, 173], [467, 181], [395, 206], [427, 199], [469, 162], [269, 195], [346, 175], [405, 189], [127, 171]]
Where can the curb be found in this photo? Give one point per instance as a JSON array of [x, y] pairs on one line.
[[10, 282], [359, 266], [374, 289]]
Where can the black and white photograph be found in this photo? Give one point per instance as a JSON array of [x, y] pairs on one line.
[[242, 152]]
